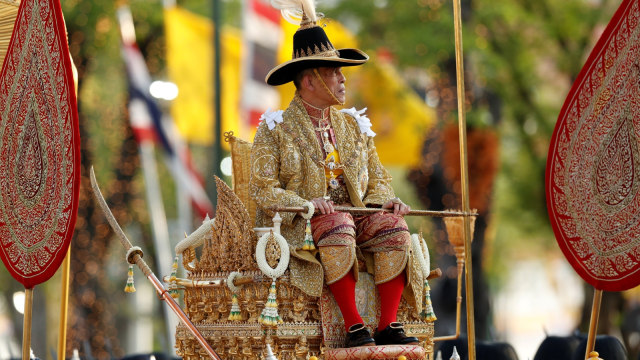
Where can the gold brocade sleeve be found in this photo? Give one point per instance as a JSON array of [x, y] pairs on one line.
[[267, 174], [379, 188]]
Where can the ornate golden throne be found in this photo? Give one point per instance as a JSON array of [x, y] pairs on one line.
[[225, 292]]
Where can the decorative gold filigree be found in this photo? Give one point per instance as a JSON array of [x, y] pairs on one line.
[[229, 247], [189, 257], [272, 252]]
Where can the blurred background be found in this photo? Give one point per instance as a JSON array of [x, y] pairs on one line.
[[148, 120]]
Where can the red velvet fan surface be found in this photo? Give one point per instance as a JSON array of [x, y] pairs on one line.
[[593, 166], [39, 145]]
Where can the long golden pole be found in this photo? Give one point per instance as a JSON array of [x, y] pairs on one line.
[[360, 210], [26, 326], [64, 305], [593, 324], [462, 130]]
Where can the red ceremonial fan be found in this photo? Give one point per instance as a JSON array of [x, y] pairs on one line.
[[39, 147], [593, 167]]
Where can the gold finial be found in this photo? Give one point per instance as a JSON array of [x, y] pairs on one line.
[[306, 22], [594, 356]]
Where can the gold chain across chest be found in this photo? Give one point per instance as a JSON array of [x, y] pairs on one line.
[[331, 162]]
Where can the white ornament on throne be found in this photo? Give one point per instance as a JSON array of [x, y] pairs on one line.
[[261, 256]]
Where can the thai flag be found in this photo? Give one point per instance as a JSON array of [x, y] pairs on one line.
[[150, 124], [262, 36]]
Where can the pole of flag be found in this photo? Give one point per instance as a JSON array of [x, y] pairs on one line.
[[159, 227], [217, 120], [464, 178], [140, 114]]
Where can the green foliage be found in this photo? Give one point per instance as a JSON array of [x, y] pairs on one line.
[[416, 33]]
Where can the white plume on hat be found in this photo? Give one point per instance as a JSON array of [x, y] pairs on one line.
[[292, 10]]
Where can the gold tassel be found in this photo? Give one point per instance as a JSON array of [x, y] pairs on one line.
[[235, 315], [173, 280], [269, 315], [130, 288], [427, 312], [308, 239]]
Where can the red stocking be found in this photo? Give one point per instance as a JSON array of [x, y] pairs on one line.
[[390, 295], [344, 291]]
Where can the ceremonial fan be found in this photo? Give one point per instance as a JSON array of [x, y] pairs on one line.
[[39, 148], [593, 167]]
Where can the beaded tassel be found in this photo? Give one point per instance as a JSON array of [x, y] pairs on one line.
[[308, 239], [130, 288], [234, 315], [269, 314], [173, 281], [427, 313]]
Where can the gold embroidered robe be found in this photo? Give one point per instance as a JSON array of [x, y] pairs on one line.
[[286, 170]]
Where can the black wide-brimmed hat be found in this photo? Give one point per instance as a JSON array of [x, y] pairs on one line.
[[311, 49]]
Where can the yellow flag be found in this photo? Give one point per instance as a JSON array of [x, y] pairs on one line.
[[400, 118], [190, 66]]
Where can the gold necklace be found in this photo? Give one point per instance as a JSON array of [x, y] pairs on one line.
[[323, 126], [321, 110]]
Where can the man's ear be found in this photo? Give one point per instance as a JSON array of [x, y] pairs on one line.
[[307, 82]]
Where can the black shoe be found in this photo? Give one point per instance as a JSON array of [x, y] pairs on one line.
[[394, 334], [358, 335]]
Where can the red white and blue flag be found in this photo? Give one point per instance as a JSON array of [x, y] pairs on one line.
[[262, 36], [149, 124]]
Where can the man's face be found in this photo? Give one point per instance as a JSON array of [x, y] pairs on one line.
[[334, 79]]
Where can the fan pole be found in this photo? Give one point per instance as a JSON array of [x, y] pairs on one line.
[[64, 306], [593, 324], [26, 326]]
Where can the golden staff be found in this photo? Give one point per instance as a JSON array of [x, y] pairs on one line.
[[136, 257], [361, 210], [464, 178]]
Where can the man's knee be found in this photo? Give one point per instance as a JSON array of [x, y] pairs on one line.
[[381, 224], [332, 225], [337, 261]]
